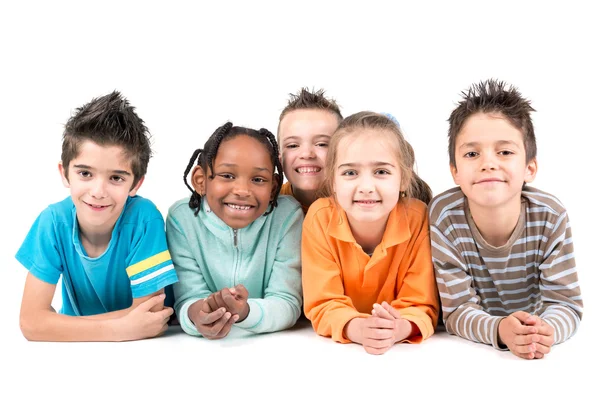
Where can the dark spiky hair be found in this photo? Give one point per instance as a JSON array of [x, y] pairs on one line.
[[108, 121], [493, 96], [310, 100]]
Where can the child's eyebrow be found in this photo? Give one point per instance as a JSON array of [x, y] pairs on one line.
[[371, 164], [499, 142], [230, 165], [116, 171], [321, 136]]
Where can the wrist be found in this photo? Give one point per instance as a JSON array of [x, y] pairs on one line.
[[499, 336], [244, 314], [352, 330], [403, 329]]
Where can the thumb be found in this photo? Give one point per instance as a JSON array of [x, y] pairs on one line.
[[151, 302], [522, 316], [241, 291]]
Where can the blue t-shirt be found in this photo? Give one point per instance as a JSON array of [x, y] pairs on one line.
[[136, 262]]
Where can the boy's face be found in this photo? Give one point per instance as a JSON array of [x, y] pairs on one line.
[[100, 180], [490, 161], [304, 139], [243, 183]]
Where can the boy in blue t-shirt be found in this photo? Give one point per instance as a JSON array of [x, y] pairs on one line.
[[108, 244]]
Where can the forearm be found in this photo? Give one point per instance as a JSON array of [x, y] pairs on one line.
[[48, 326], [470, 322], [332, 319], [563, 319], [270, 314]]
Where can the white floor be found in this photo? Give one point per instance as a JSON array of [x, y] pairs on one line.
[[292, 364]]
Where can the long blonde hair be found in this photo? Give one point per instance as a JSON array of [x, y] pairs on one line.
[[357, 124]]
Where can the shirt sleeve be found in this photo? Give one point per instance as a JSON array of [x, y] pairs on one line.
[[191, 286], [325, 303], [461, 306], [281, 306], [562, 305], [150, 267], [417, 299], [39, 252]]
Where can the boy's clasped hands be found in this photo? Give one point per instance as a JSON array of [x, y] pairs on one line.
[[526, 336], [215, 315]]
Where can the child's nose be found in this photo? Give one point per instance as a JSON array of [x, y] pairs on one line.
[[98, 189], [488, 162], [241, 188], [307, 152], [366, 185]]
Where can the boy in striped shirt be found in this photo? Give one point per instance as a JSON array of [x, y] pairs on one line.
[[502, 251], [108, 245]]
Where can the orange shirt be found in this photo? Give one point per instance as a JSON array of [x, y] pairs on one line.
[[286, 189], [341, 282]]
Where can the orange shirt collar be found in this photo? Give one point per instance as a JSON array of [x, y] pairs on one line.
[[397, 230]]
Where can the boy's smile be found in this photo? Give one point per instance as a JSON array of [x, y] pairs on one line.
[[490, 161]]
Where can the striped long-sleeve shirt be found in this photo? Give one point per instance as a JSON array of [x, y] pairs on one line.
[[534, 271]]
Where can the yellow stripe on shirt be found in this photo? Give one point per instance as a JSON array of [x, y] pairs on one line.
[[148, 263]]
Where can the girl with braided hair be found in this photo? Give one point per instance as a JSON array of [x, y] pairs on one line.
[[235, 242]]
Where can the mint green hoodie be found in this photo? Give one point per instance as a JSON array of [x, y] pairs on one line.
[[264, 256]]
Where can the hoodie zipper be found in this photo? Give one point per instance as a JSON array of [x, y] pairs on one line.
[[237, 256]]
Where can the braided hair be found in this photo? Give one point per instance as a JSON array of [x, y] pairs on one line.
[[205, 158]]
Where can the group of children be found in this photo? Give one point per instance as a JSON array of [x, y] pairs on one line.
[[353, 239]]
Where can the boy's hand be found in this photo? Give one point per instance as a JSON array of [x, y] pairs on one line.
[[142, 323], [212, 324], [544, 340], [518, 337], [234, 300]]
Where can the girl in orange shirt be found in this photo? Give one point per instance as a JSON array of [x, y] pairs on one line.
[[366, 256]]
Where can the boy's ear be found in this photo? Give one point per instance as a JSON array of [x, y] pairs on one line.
[[454, 172], [531, 170], [63, 175], [199, 180], [133, 191]]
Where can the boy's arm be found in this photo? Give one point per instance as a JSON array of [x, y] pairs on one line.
[[281, 306], [39, 322], [325, 303], [462, 312], [417, 299], [136, 302], [192, 286], [561, 295]]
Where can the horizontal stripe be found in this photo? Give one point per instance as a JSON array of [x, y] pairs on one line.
[[148, 263], [156, 273]]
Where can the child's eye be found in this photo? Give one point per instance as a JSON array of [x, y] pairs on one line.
[[505, 153], [349, 172], [85, 174], [117, 178], [291, 146], [322, 144], [382, 172], [471, 154], [226, 176], [259, 179]]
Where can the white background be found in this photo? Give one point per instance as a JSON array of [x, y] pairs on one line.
[[189, 68]]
